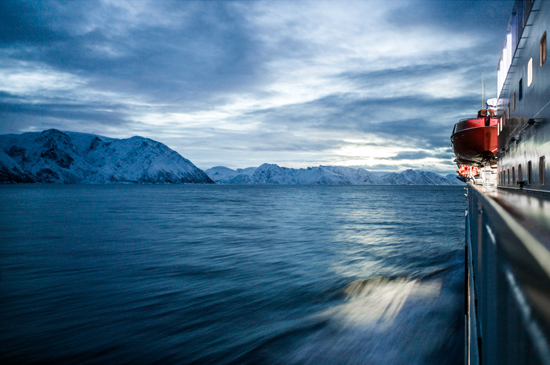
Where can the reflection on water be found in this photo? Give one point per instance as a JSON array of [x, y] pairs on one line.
[[377, 301], [231, 275], [384, 321]]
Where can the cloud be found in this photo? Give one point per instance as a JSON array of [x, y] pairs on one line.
[[246, 82], [467, 17], [386, 118], [179, 52], [75, 112], [21, 24], [411, 155]]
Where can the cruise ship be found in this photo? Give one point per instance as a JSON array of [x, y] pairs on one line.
[[507, 243]]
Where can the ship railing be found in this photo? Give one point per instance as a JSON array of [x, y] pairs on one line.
[[507, 306]]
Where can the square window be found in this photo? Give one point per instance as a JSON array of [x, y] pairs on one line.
[[520, 91], [530, 72], [543, 49], [542, 170]]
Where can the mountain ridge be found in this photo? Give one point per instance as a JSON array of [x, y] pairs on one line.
[[273, 174], [53, 156]]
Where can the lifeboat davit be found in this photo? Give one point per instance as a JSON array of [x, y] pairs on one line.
[[475, 140]]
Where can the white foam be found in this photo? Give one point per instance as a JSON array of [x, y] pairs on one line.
[[379, 300]]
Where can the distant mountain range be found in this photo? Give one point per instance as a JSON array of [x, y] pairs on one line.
[[53, 156], [324, 175]]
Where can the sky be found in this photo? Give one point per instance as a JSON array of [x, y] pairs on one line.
[[375, 84]]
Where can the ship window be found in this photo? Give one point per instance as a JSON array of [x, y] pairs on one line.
[[514, 101], [507, 114], [513, 175], [542, 171], [520, 173], [508, 176], [530, 72], [529, 172], [543, 49], [520, 91]]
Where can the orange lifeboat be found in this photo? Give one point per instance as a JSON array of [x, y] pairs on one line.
[[475, 140]]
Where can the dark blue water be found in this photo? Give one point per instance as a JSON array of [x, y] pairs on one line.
[[231, 274]]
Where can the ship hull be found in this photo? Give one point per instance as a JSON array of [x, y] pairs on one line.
[[507, 254]]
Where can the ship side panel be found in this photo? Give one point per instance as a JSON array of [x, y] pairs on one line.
[[524, 138], [508, 284]]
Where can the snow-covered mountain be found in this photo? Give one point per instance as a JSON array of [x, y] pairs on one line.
[[323, 175], [276, 175], [53, 156], [453, 177], [221, 173], [412, 177]]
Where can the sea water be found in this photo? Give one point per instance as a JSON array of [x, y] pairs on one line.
[[207, 274]]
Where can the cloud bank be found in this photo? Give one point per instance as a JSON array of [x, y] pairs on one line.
[[240, 83]]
